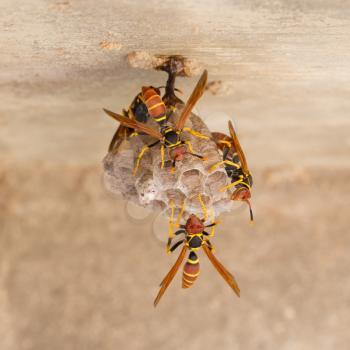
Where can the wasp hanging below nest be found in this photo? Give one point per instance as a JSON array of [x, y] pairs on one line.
[[195, 237]]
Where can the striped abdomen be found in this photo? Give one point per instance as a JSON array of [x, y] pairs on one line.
[[191, 270], [154, 103]]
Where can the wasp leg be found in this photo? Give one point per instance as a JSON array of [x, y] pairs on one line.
[[209, 244], [213, 224], [168, 245], [216, 165], [179, 232], [189, 145], [204, 209], [225, 161], [212, 232], [231, 185], [171, 249], [141, 154], [162, 155], [177, 224], [190, 148], [177, 244], [171, 226], [195, 133], [227, 143]]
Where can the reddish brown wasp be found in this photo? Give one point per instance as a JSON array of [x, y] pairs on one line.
[[235, 166], [194, 238], [169, 136]]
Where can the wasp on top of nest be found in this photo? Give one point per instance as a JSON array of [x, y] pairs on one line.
[[168, 135]]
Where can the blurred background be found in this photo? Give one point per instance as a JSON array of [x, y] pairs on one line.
[[79, 268]]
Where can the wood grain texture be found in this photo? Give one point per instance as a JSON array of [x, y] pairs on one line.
[[74, 272]]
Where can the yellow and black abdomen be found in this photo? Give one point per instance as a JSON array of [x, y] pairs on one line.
[[154, 103], [191, 270]]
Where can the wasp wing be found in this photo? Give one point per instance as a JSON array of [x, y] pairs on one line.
[[171, 274], [222, 270], [119, 136], [133, 124], [195, 96], [238, 149], [116, 140]]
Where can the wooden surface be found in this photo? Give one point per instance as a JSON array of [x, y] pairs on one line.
[[78, 271], [284, 67]]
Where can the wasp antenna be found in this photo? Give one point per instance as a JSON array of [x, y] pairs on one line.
[[213, 224], [250, 210]]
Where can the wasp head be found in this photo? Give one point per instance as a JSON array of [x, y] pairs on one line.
[[243, 194], [194, 224], [178, 153]]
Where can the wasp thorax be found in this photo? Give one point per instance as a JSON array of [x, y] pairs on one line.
[[171, 136]]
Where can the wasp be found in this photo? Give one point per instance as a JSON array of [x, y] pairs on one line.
[[167, 135], [236, 166], [194, 238]]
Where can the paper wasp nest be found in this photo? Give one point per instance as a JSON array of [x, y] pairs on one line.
[[155, 187]]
